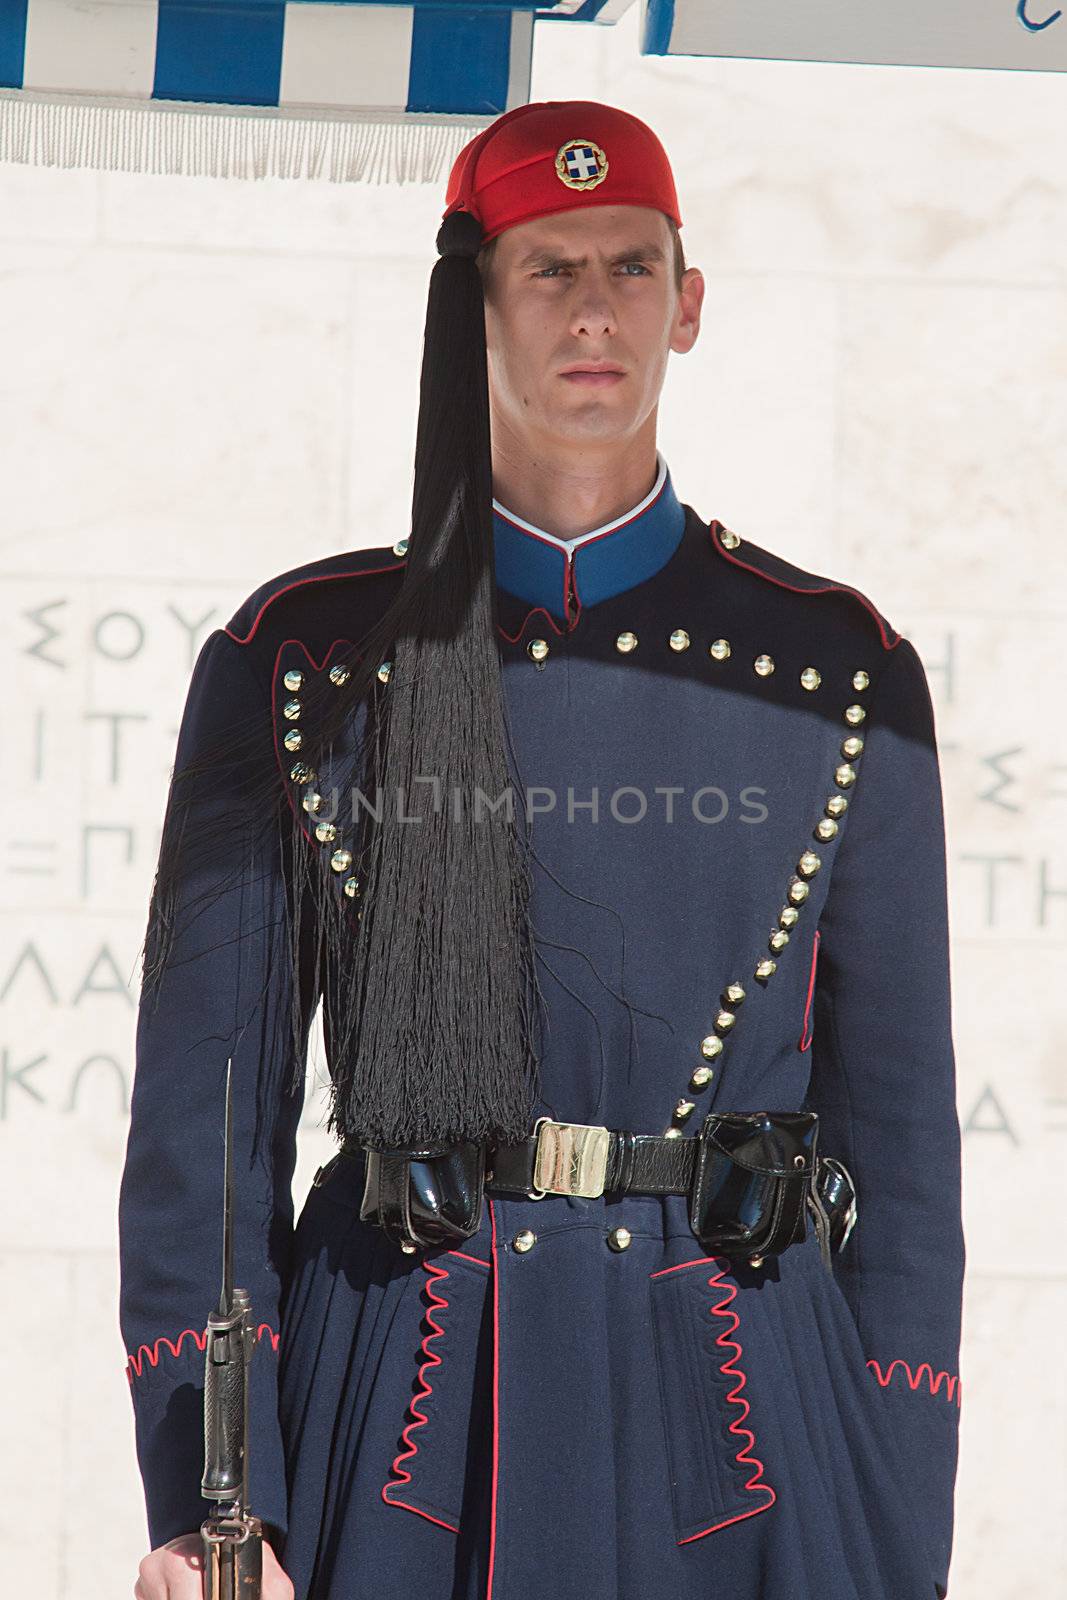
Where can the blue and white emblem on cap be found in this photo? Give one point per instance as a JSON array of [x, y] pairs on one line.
[[581, 164]]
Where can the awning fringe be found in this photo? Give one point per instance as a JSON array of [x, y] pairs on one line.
[[343, 145]]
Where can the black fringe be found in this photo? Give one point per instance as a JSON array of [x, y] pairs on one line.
[[428, 977]]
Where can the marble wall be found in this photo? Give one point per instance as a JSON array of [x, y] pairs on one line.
[[206, 382]]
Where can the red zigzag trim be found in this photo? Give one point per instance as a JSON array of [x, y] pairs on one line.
[[419, 1418], [953, 1385], [753, 1484], [151, 1353]]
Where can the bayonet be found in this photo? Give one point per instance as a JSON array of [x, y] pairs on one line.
[[232, 1536]]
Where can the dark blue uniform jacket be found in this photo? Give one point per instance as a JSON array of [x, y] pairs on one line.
[[688, 712]]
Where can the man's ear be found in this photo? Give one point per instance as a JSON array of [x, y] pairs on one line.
[[686, 324]]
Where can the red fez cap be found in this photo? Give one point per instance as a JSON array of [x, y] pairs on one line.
[[554, 155]]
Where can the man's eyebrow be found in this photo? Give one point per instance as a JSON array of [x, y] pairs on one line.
[[546, 257]]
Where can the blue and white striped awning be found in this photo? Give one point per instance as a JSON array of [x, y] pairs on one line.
[[1024, 35], [382, 89], [348, 89]]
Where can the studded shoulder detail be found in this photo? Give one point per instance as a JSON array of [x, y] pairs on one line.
[[246, 621], [296, 672], [765, 564]]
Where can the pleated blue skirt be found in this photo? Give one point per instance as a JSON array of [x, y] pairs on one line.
[[649, 1425]]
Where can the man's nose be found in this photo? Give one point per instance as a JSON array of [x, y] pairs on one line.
[[593, 315]]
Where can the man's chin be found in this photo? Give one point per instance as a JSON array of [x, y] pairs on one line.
[[592, 416]]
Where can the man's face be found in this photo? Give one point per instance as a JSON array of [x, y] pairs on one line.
[[579, 289]]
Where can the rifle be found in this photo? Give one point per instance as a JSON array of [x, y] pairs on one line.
[[232, 1537]]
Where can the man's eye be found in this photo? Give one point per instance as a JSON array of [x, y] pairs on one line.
[[545, 272]]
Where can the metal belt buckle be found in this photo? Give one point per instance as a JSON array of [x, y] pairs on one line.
[[570, 1158]]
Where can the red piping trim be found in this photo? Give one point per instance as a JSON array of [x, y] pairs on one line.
[[805, 1033], [496, 1401], [570, 583], [419, 1418], [301, 583], [730, 1366], [151, 1353], [953, 1386], [570, 586], [826, 588], [463, 1256], [513, 638]]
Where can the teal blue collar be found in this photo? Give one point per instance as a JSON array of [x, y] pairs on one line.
[[533, 563]]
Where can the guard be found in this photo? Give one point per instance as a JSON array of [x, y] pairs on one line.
[[612, 847]]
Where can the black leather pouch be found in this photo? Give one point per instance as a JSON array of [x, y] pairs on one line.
[[750, 1183], [425, 1195]]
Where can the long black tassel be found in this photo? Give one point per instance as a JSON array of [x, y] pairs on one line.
[[428, 980], [433, 1038]]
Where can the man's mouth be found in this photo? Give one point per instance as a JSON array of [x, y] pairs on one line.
[[599, 377]]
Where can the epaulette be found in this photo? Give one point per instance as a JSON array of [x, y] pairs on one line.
[[765, 564], [245, 622]]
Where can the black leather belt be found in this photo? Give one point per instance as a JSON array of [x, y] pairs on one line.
[[573, 1158], [750, 1178]]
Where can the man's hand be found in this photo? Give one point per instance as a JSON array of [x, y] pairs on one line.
[[176, 1572]]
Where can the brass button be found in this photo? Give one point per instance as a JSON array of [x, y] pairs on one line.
[[836, 805], [293, 680], [860, 680], [852, 746], [339, 674], [854, 715], [719, 649], [683, 1109], [383, 671], [400, 548], [733, 994], [291, 710], [293, 739], [325, 832], [766, 967], [844, 775], [755, 1261], [778, 940], [619, 1238], [341, 860], [764, 665], [311, 802], [626, 642], [798, 891], [724, 1019], [300, 772], [825, 828], [351, 887], [537, 649], [809, 864], [407, 1247], [787, 917], [679, 639], [729, 539], [810, 678], [525, 1240], [702, 1076], [710, 1047], [672, 1133]]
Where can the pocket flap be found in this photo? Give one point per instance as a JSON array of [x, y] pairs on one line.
[[716, 1474], [430, 1471]]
